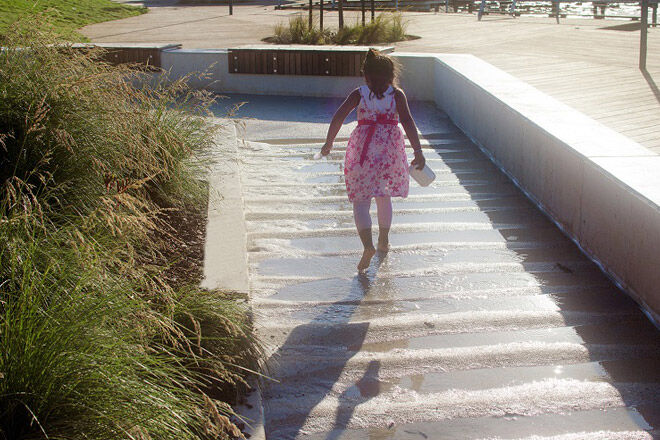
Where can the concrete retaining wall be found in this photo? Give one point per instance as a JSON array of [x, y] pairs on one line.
[[417, 72], [601, 188]]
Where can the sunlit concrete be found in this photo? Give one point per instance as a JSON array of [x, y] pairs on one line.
[[225, 264], [599, 186]]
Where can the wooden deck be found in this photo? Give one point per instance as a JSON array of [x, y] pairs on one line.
[[589, 64]]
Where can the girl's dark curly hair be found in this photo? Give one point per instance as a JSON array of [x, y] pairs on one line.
[[380, 71]]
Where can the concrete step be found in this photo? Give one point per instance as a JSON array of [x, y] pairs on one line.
[[483, 321]]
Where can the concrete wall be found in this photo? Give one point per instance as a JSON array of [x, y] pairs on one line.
[[182, 61], [601, 188], [416, 73]]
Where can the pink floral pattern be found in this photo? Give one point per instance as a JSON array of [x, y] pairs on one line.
[[384, 171]]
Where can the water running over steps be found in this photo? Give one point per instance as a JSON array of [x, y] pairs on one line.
[[482, 322]]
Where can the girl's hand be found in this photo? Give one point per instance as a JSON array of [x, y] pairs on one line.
[[419, 161], [325, 150]]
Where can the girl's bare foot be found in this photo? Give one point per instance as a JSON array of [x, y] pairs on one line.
[[365, 261]]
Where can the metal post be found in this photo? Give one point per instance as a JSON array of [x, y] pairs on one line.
[[311, 9], [654, 20], [231, 7], [373, 10], [341, 13], [555, 7], [364, 10], [321, 15], [643, 34]]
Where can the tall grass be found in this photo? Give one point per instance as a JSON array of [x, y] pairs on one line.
[[298, 31], [385, 28], [95, 342]]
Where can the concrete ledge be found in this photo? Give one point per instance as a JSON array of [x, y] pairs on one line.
[[601, 188], [416, 77], [225, 252], [180, 62]]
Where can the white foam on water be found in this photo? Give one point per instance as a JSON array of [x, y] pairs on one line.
[[400, 362], [551, 396], [584, 435]]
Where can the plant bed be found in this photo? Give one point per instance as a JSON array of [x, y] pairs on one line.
[[385, 28], [104, 330]]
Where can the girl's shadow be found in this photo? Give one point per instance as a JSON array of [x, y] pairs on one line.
[[342, 339], [364, 389]]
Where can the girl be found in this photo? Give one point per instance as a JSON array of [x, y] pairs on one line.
[[376, 165]]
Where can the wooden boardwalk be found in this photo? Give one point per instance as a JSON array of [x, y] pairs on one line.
[[590, 65]]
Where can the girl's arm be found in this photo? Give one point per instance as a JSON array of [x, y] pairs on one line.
[[409, 127], [344, 109]]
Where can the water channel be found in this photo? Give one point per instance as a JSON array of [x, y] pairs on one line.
[[483, 321]]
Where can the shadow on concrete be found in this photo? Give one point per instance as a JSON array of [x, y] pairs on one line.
[[280, 108], [593, 292], [628, 27], [651, 82], [340, 340]]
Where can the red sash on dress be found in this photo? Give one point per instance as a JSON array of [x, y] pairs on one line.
[[380, 119]]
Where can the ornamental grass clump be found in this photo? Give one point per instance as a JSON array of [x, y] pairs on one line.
[[96, 340], [298, 31], [385, 28]]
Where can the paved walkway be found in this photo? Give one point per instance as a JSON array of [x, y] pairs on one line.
[[484, 321], [588, 64]]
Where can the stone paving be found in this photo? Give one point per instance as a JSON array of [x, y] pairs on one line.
[[483, 321]]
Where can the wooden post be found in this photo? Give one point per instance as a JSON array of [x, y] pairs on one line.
[[321, 15], [340, 3], [373, 10], [643, 34], [231, 7], [363, 8], [311, 9]]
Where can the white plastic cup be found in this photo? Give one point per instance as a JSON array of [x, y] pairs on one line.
[[424, 176]]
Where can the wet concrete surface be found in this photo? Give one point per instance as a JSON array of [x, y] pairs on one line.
[[484, 321]]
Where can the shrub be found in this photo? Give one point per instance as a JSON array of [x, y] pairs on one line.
[[298, 31], [95, 341], [385, 28]]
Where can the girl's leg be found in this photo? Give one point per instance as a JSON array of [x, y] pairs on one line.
[[384, 206], [363, 224]]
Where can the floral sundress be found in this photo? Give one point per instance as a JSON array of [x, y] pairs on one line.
[[376, 164]]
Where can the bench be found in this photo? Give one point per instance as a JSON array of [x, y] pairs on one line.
[[299, 60]]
